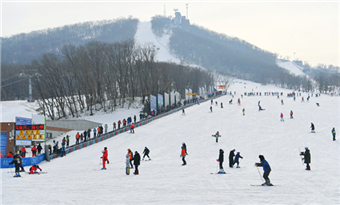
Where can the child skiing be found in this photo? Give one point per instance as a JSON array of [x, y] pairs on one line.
[[17, 162], [104, 157], [236, 160], [266, 169], [217, 135], [34, 168], [146, 153], [306, 158]]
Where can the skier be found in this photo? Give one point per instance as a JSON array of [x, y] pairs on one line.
[[231, 158], [312, 128], [221, 105], [231, 101], [210, 108], [146, 153], [34, 168], [266, 169], [131, 157], [17, 162], [236, 160], [307, 158], [281, 102], [239, 101], [34, 151], [183, 153], [136, 162], [220, 160], [282, 117], [104, 157], [185, 147], [217, 135], [183, 112], [132, 128], [211, 101], [244, 111], [291, 114], [333, 133], [216, 103]]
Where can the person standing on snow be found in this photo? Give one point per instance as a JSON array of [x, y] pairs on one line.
[[220, 160], [333, 133], [17, 162], [291, 114], [183, 154], [132, 128], [236, 160], [217, 135], [146, 153], [210, 108], [136, 162], [244, 111], [134, 118], [105, 158], [39, 148], [312, 127], [23, 152], [105, 126], [281, 116], [68, 140], [34, 151], [307, 158], [131, 157], [231, 158], [266, 169], [94, 132]]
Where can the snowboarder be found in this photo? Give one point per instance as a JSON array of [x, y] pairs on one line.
[[231, 158], [104, 157], [220, 160], [281, 116], [307, 158], [146, 153], [333, 133], [244, 111], [183, 154], [210, 108], [236, 160], [34, 168], [131, 157], [312, 127], [136, 162], [291, 114], [266, 169], [217, 135]]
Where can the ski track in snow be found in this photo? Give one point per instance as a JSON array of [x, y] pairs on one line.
[[76, 178]]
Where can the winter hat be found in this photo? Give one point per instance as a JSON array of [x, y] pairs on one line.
[[306, 147], [105, 147], [261, 157]]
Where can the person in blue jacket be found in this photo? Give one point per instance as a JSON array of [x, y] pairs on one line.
[[236, 160], [266, 169]]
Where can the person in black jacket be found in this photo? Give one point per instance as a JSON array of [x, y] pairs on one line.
[[231, 158], [39, 148], [136, 162], [146, 153], [221, 159], [307, 158], [17, 162], [312, 127]]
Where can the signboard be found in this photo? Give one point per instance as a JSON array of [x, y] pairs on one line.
[[3, 143], [30, 132], [153, 103], [23, 142]]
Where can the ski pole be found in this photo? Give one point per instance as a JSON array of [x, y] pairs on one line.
[[259, 173]]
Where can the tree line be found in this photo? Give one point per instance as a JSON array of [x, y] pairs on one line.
[[102, 76]]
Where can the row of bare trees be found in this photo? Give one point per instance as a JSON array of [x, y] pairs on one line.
[[102, 76]]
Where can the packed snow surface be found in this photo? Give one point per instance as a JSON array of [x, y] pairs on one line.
[[77, 178]]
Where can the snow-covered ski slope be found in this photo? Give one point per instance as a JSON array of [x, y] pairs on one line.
[[77, 178]]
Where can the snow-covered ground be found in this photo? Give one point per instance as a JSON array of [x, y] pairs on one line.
[[77, 178]]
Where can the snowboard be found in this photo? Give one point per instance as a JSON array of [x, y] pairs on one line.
[[127, 172], [36, 173], [215, 135], [218, 173], [262, 185]]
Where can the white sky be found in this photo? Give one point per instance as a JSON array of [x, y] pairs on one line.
[[310, 29]]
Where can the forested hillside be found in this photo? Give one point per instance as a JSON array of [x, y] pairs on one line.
[[25, 47]]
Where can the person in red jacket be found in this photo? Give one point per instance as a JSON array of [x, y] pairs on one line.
[[34, 168], [34, 151], [23, 152], [183, 154], [132, 128], [1, 155], [9, 155], [104, 157]]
